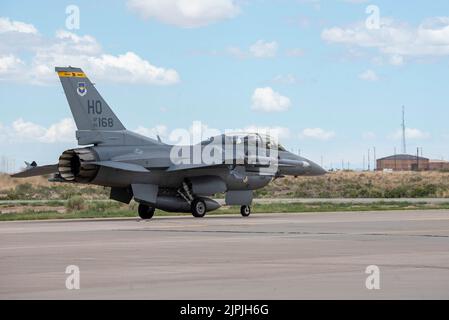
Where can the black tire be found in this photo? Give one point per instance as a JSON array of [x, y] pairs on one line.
[[146, 211], [245, 211], [198, 208]]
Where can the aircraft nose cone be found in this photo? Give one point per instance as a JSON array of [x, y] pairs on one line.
[[294, 165], [316, 170]]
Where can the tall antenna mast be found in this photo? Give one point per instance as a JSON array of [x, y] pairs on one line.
[[404, 146]]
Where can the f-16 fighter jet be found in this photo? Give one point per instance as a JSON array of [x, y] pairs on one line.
[[168, 177]]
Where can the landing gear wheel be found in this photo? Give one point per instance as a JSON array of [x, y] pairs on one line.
[[146, 211], [198, 208], [245, 211]]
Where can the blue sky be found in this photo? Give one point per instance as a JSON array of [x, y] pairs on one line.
[[310, 69]]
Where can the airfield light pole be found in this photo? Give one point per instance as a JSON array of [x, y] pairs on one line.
[[417, 158], [375, 159], [404, 145], [369, 160], [395, 159]]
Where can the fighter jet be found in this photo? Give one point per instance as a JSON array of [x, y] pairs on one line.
[[158, 175]]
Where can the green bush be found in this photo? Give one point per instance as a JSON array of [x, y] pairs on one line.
[[102, 206], [75, 203], [397, 192], [427, 190]]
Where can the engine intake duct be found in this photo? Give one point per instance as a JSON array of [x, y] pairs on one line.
[[74, 165]]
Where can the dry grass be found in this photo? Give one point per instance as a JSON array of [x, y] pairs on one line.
[[7, 183], [362, 185], [38, 188], [332, 185]]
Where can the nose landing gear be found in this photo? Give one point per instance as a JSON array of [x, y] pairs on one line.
[[245, 211], [146, 211]]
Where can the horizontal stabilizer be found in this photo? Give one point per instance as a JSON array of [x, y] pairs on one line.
[[33, 171]]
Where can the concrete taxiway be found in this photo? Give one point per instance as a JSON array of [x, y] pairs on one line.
[[266, 256]]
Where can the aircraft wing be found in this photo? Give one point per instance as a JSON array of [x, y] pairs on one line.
[[32, 171], [182, 167], [120, 166]]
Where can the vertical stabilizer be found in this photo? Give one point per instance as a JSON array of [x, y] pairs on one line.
[[89, 109]]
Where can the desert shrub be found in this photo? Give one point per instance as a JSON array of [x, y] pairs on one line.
[[102, 206], [75, 203], [21, 191], [396, 192], [426, 190], [374, 193], [325, 194]]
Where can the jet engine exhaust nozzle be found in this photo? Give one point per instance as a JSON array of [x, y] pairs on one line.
[[74, 166]]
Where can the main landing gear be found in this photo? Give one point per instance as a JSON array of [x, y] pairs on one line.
[[198, 208], [197, 205], [146, 211], [245, 211]]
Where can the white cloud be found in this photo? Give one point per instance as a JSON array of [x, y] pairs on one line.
[[160, 130], [260, 49], [268, 100], [84, 51], [316, 134], [62, 131], [9, 64], [196, 133], [368, 75], [185, 13], [295, 52], [395, 39], [131, 68], [199, 131], [276, 132], [27, 130], [285, 79], [396, 60], [263, 49], [8, 25], [21, 131], [410, 133]]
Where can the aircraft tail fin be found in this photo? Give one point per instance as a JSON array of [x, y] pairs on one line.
[[90, 111]]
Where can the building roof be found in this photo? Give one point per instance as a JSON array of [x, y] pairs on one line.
[[404, 157]]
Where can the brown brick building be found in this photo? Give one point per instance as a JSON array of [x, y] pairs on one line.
[[436, 165], [403, 162]]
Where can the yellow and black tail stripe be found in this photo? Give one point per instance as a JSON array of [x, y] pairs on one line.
[[70, 74]]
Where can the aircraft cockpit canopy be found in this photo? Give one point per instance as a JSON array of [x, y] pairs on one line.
[[247, 138]]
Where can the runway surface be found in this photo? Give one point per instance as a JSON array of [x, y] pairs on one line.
[[266, 256]]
